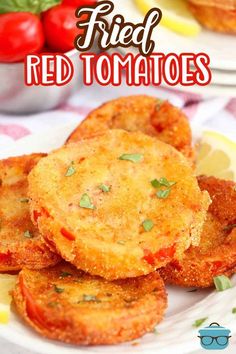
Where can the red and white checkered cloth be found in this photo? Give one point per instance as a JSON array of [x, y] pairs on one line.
[[217, 113]]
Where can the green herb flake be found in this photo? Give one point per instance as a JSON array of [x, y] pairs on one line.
[[85, 202], [121, 242], [199, 322], [53, 304], [166, 183], [162, 182], [229, 227], [104, 188], [28, 234], [159, 104], [71, 170], [155, 331], [234, 310], [131, 157], [89, 298], [58, 289], [163, 194], [148, 225], [155, 183], [65, 275], [222, 283], [24, 200]]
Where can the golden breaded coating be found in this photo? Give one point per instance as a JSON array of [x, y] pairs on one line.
[[146, 114], [217, 15], [216, 254], [69, 305], [117, 205], [20, 242]]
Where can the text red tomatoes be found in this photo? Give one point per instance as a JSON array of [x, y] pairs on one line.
[[21, 33], [60, 28], [79, 3]]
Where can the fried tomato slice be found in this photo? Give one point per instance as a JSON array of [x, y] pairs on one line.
[[69, 305], [20, 242], [99, 203], [146, 114], [216, 253]]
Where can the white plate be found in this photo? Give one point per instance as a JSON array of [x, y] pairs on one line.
[[175, 334], [220, 47]]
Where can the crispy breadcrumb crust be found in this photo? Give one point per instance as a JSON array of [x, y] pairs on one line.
[[146, 114], [216, 18], [216, 253], [20, 242], [109, 239], [66, 304]]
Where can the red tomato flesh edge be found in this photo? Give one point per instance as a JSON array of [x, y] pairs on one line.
[[5, 257], [161, 255], [67, 234], [33, 310]]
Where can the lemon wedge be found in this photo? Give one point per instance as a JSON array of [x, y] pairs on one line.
[[216, 156], [175, 15], [7, 283]]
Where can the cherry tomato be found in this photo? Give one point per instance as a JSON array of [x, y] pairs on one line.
[[79, 3], [60, 27], [21, 33]]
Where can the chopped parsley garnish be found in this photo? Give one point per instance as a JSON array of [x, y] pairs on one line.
[[229, 227], [24, 200], [65, 275], [89, 298], [199, 322], [222, 283], [58, 289], [148, 225], [155, 331], [234, 310], [159, 104], [85, 202], [163, 194], [131, 157], [28, 234], [104, 188], [53, 304], [121, 242], [162, 182], [155, 183], [71, 170]]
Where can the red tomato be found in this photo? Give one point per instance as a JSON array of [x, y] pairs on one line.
[[60, 27], [79, 3], [21, 33]]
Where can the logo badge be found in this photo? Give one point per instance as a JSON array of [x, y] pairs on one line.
[[214, 337]]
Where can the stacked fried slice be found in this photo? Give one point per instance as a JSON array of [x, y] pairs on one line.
[[64, 303], [117, 202], [96, 217], [21, 244], [216, 253], [146, 114]]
